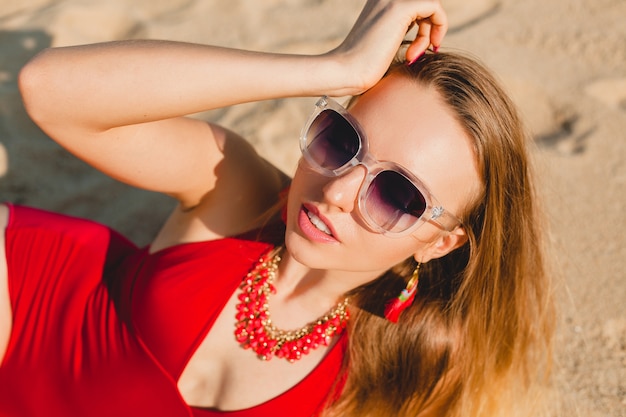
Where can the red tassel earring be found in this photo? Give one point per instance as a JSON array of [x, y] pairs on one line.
[[405, 299]]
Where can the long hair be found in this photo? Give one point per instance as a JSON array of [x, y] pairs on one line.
[[477, 339]]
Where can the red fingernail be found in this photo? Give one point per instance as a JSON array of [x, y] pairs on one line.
[[435, 49], [415, 59]]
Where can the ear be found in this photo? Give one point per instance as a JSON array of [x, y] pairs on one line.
[[443, 245]]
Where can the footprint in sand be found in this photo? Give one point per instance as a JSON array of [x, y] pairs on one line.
[[611, 91], [463, 13], [564, 134]]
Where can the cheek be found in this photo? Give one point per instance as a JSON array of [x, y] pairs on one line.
[[378, 252], [300, 186], [305, 186]]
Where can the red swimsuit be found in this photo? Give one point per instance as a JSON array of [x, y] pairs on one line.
[[102, 328]]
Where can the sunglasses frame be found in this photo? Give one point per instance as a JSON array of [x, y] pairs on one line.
[[434, 212]]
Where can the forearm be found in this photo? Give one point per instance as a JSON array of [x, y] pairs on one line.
[[101, 86], [120, 83], [116, 105]]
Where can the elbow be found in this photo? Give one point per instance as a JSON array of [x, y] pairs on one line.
[[33, 87]]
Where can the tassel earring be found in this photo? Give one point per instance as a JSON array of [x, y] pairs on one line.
[[405, 299]]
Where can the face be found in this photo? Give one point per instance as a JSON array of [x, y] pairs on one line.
[[403, 123]]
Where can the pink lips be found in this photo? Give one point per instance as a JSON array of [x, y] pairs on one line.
[[309, 229]]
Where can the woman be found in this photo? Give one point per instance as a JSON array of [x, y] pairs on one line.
[[414, 204]]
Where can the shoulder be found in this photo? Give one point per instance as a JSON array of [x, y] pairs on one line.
[[245, 188], [231, 166], [242, 158], [247, 185], [244, 176]]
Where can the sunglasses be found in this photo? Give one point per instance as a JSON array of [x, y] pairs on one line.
[[391, 200]]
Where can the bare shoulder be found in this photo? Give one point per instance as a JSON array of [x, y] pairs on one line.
[[245, 187], [241, 158], [5, 302]]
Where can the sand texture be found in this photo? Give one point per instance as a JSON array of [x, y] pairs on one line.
[[564, 62]]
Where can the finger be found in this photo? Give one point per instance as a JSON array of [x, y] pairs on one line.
[[421, 42], [439, 27]]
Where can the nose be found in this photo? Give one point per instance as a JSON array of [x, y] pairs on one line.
[[342, 191]]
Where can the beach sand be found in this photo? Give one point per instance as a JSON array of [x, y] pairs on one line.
[[564, 62]]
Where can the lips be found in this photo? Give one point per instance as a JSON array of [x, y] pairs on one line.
[[315, 226], [319, 223]]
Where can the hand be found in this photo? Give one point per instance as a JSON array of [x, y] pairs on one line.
[[379, 31]]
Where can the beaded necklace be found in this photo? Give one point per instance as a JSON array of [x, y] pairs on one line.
[[254, 328]]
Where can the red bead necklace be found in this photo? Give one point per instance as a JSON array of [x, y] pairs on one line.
[[254, 328]]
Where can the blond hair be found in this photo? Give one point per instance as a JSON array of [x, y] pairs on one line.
[[477, 340]]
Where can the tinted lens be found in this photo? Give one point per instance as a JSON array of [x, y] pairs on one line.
[[393, 202], [331, 140]]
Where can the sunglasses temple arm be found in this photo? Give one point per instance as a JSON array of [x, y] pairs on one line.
[[443, 219]]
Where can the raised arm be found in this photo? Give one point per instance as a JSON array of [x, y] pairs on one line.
[[119, 105]]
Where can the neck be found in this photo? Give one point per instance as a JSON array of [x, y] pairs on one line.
[[303, 293]]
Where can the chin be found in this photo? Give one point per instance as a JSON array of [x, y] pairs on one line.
[[305, 252]]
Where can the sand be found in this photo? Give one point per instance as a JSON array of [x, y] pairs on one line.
[[564, 62]]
